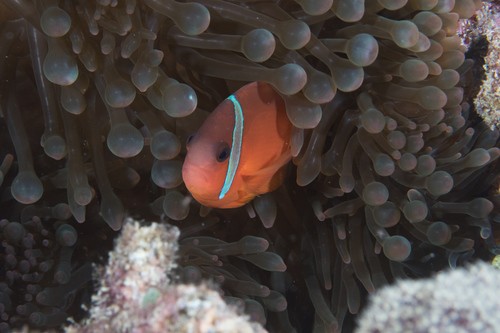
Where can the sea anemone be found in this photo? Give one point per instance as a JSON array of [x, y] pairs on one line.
[[391, 172], [40, 276]]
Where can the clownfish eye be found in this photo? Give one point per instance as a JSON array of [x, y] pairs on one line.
[[189, 139], [223, 152]]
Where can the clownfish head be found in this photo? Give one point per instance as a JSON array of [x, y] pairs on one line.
[[208, 158]]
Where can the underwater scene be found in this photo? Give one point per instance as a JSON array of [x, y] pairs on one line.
[[249, 166]]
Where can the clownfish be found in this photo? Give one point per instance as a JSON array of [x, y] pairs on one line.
[[240, 150]]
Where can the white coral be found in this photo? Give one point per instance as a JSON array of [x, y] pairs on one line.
[[456, 301], [136, 294]]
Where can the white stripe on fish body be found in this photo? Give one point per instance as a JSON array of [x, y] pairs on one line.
[[234, 155]]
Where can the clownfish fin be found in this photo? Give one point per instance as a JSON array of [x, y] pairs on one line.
[[251, 182], [244, 196], [263, 182], [271, 166], [278, 178]]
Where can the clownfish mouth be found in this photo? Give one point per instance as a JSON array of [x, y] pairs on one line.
[[197, 180]]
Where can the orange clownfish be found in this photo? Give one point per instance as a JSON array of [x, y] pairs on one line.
[[240, 150]]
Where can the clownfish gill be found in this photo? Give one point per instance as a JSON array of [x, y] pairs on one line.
[[234, 155]]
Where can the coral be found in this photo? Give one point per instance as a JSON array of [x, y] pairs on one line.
[[496, 262], [461, 300], [391, 175], [487, 102], [136, 293], [485, 24]]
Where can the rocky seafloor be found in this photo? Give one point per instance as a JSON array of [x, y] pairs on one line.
[[394, 172]]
